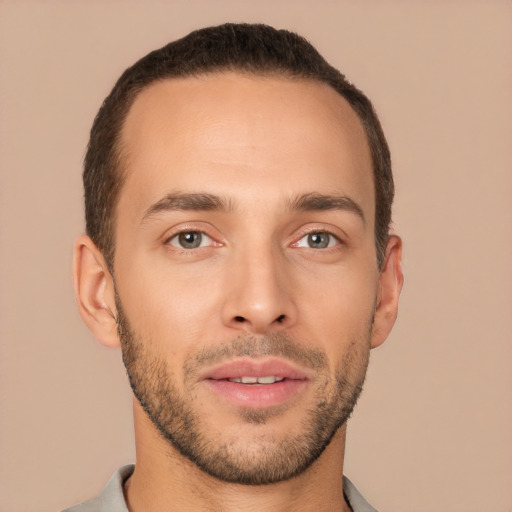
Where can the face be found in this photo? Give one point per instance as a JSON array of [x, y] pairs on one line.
[[245, 269]]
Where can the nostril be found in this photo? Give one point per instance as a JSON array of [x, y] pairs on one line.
[[241, 319]]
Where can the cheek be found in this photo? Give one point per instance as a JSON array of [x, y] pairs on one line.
[[165, 303], [339, 311]]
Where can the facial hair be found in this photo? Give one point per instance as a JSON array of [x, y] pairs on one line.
[[255, 459]]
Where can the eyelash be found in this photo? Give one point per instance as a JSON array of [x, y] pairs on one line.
[[332, 237], [176, 235]]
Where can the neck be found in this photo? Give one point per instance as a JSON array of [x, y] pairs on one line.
[[165, 480]]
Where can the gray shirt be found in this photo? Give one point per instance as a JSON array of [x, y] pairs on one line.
[[111, 498]]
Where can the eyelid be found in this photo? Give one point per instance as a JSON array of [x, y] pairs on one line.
[[329, 246], [191, 228], [204, 235], [336, 233]]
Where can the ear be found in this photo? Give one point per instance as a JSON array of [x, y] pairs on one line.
[[94, 292], [391, 280]]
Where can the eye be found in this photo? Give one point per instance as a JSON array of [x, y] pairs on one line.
[[190, 240], [318, 240]]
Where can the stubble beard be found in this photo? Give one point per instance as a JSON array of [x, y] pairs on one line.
[[266, 459]]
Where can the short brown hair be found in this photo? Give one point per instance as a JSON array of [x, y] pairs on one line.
[[256, 49]]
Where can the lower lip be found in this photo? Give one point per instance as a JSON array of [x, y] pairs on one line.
[[257, 396]]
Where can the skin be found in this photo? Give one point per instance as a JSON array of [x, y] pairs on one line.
[[258, 143]]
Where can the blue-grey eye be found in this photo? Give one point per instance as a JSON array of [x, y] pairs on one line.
[[190, 240], [317, 240]]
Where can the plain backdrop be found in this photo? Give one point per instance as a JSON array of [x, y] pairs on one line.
[[433, 429]]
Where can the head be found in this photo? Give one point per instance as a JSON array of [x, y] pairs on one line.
[[254, 49], [236, 189]]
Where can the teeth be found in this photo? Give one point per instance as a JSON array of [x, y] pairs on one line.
[[266, 380], [257, 380]]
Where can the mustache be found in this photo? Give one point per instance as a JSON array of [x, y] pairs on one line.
[[274, 344], [277, 344]]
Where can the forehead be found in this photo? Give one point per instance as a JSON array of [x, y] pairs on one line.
[[245, 137]]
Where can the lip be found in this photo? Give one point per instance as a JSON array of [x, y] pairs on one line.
[[256, 396], [255, 368]]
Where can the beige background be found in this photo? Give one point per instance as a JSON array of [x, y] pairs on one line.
[[433, 430]]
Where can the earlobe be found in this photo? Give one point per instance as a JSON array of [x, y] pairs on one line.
[[390, 285], [94, 292]]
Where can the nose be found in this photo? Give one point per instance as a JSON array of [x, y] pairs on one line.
[[258, 296]]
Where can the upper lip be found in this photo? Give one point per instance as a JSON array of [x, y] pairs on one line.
[[248, 367]]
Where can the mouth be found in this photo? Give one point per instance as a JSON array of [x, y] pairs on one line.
[[270, 379], [256, 384]]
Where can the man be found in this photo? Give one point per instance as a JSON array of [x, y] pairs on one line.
[[238, 198]]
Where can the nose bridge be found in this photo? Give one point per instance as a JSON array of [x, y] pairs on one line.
[[259, 298]]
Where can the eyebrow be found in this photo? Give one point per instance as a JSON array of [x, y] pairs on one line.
[[323, 202], [211, 202], [184, 202]]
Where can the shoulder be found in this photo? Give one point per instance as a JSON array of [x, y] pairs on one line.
[[111, 498], [355, 498], [92, 505]]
